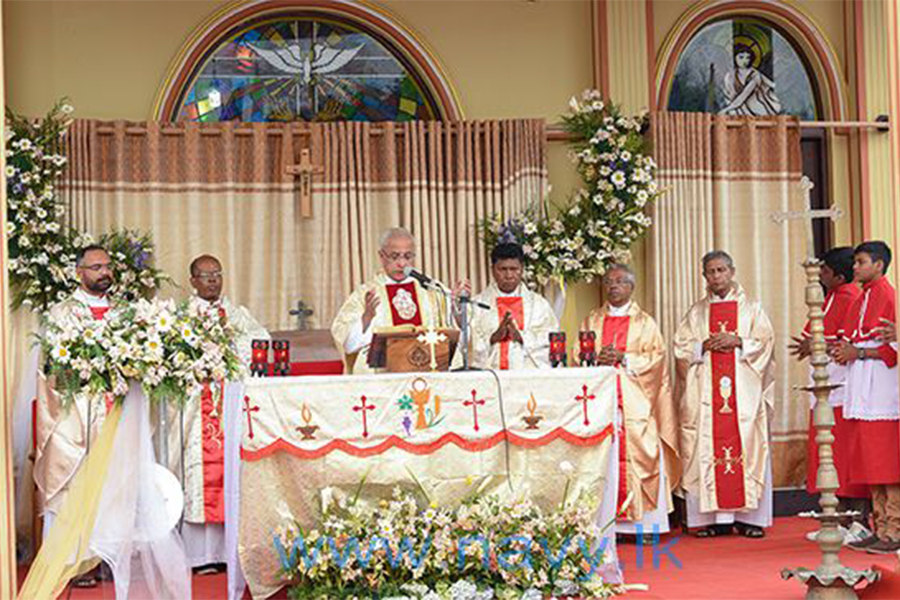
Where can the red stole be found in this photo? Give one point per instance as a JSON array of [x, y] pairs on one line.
[[727, 449], [213, 444], [404, 303], [98, 312], [615, 334], [512, 305]]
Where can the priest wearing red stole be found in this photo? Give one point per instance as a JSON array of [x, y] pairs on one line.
[[62, 435], [649, 462], [872, 404], [724, 355], [837, 278], [391, 299], [204, 442], [514, 333]]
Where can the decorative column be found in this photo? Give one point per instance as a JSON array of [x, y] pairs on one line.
[[624, 72], [624, 53], [7, 490], [870, 82]]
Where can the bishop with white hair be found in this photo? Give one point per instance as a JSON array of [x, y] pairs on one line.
[[392, 298]]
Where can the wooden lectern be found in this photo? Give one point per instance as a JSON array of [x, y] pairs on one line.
[[409, 350]]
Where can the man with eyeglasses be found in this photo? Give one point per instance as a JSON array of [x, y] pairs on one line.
[[204, 467], [629, 340], [391, 299], [61, 435]]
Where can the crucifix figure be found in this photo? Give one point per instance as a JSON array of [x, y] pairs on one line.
[[302, 312], [305, 170], [475, 402], [364, 408], [584, 397], [432, 337], [248, 410]]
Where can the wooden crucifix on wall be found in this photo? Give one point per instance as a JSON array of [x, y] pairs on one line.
[[305, 170]]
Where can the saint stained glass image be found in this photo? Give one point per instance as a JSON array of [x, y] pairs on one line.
[[742, 67], [304, 70]]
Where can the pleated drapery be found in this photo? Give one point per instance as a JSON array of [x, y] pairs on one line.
[[225, 189], [724, 179]]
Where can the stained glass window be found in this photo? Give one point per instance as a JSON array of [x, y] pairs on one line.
[[743, 66], [309, 69]]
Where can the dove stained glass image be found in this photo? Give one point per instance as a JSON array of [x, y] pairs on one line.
[[304, 69]]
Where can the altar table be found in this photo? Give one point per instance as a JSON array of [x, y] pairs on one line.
[[523, 432]]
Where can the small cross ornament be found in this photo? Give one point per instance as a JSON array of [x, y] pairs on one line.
[[432, 338]]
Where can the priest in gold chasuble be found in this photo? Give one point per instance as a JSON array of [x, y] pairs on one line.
[[514, 332], [391, 299], [724, 352], [649, 461]]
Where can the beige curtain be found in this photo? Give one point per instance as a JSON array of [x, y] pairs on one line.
[[224, 189], [437, 179], [724, 179]]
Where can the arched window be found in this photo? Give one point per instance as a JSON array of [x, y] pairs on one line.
[[305, 61], [743, 66]]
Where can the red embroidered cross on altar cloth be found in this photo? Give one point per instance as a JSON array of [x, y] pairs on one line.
[[727, 448], [615, 334], [404, 303], [513, 306]]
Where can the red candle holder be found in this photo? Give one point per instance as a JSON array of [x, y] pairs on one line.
[[282, 351], [259, 357], [557, 349], [587, 348]]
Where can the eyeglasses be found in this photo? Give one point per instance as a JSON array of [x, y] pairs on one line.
[[99, 267], [215, 275], [396, 256], [612, 282]]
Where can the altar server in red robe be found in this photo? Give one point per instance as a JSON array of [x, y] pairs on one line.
[[841, 291], [872, 405]]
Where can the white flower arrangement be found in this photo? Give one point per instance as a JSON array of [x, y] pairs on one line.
[[144, 341], [530, 554], [41, 250], [601, 222]]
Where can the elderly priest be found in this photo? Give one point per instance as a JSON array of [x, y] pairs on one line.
[[514, 332], [392, 299], [631, 342], [724, 353]]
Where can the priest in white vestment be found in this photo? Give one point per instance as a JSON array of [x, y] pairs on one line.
[[724, 353], [204, 461], [514, 332], [391, 299], [64, 434]]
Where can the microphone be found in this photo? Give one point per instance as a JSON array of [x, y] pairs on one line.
[[425, 280]]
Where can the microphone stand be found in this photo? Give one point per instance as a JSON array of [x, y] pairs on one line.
[[463, 320]]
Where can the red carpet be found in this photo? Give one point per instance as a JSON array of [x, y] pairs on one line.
[[718, 568], [736, 567]]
